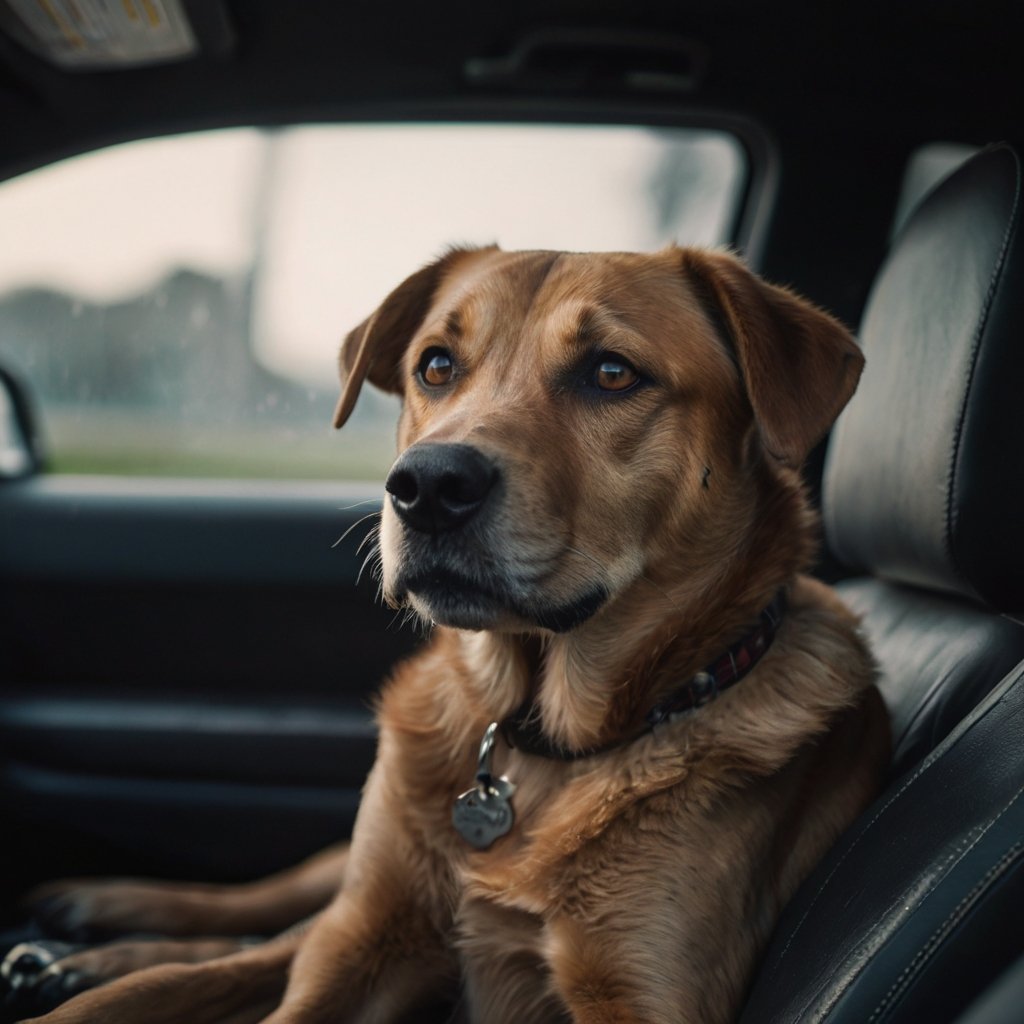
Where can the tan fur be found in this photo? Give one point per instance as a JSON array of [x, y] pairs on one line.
[[640, 883], [119, 906], [237, 989]]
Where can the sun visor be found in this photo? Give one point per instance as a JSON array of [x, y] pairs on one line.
[[108, 35]]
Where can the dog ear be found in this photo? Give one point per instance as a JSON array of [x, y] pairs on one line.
[[374, 349], [799, 365]]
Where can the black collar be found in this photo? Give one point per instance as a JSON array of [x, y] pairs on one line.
[[522, 731]]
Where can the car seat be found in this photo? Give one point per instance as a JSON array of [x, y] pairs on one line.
[[919, 908]]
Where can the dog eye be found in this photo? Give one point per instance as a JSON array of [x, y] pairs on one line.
[[614, 374], [436, 367]]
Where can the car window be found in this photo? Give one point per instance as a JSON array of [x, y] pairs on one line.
[[176, 304]]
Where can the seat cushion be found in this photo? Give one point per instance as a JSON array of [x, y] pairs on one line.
[[937, 658]]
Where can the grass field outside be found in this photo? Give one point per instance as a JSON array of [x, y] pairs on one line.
[[132, 443]]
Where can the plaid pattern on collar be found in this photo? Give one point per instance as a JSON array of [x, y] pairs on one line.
[[728, 670]]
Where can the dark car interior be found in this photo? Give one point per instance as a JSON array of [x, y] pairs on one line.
[[187, 667]]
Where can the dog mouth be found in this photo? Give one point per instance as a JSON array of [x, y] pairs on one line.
[[454, 599]]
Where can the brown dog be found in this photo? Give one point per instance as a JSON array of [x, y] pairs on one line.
[[597, 504]]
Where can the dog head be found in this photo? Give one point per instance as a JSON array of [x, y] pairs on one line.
[[573, 423]]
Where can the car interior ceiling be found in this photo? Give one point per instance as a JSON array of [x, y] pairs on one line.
[[915, 914]]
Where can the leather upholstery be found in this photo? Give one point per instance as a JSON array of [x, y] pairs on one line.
[[937, 658], [919, 906], [924, 481]]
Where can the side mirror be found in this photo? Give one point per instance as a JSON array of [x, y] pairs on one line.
[[21, 452]]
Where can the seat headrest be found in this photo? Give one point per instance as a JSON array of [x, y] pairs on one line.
[[924, 479]]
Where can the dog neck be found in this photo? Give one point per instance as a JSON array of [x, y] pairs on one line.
[[522, 730], [594, 686]]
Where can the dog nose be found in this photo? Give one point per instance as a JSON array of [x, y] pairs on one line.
[[438, 487]]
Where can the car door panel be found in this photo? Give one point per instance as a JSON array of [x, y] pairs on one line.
[[183, 656]]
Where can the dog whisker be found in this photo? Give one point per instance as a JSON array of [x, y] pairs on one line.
[[372, 535], [358, 504], [372, 554], [371, 515]]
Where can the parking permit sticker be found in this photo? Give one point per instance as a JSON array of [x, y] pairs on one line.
[[92, 35]]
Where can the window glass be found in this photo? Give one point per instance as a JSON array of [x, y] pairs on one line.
[[176, 304]]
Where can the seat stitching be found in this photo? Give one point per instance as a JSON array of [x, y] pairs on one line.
[[973, 837], [946, 927], [921, 768], [925, 765]]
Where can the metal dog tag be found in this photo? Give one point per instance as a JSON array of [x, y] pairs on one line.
[[484, 813]]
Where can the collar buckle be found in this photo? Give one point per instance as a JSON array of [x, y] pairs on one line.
[[704, 687]]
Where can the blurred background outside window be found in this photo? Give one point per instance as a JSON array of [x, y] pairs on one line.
[[175, 305]]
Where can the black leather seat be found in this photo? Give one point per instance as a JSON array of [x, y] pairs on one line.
[[920, 907]]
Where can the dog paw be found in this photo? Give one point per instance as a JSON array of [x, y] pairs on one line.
[[35, 981], [26, 962], [57, 985], [67, 914], [90, 911]]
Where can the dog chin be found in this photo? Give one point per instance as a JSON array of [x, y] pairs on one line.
[[461, 604], [461, 611]]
